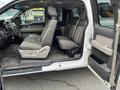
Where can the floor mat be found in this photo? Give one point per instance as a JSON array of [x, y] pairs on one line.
[[55, 55], [10, 56]]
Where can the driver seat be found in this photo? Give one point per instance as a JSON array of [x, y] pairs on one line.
[[38, 46]]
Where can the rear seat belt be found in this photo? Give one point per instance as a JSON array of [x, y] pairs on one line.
[[76, 27], [114, 59]]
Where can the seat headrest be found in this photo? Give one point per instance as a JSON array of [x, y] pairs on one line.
[[52, 11], [83, 17], [83, 14]]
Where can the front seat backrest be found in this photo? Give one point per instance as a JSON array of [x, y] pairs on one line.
[[49, 30]]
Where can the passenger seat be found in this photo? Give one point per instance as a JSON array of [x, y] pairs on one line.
[[75, 34], [38, 46]]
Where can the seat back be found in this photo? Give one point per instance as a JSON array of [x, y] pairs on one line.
[[79, 32], [72, 27], [69, 29], [49, 30]]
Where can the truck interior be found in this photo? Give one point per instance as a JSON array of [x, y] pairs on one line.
[[53, 33], [41, 32]]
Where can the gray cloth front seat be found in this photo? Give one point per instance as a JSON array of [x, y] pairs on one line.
[[38, 46], [75, 34]]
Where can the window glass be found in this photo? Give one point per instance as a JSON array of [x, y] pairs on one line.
[[105, 12], [33, 16], [60, 15], [75, 12], [8, 14]]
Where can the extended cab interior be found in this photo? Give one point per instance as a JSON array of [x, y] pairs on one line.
[[53, 33]]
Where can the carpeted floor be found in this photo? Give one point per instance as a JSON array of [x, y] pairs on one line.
[[10, 56]]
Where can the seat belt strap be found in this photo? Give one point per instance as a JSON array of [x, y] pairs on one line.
[[76, 26], [114, 58]]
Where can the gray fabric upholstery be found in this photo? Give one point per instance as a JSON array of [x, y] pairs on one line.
[[36, 42], [78, 34], [38, 46], [70, 43], [61, 37], [47, 37], [69, 35], [67, 43], [71, 32], [30, 45], [75, 34], [32, 37]]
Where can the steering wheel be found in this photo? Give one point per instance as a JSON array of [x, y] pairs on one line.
[[13, 26]]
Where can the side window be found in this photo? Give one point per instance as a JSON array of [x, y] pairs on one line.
[[8, 14], [76, 12], [60, 15], [105, 11], [35, 15]]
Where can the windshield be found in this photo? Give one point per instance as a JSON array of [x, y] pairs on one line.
[[4, 2], [8, 14]]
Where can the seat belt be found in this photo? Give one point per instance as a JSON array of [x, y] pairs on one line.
[[76, 26], [114, 58]]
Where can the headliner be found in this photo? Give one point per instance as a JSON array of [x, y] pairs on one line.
[[68, 4]]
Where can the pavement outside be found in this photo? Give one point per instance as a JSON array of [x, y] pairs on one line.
[[77, 79]]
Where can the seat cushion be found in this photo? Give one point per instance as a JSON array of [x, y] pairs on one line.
[[31, 44], [67, 44]]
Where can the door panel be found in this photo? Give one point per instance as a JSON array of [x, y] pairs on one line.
[[104, 60], [101, 56], [99, 66], [108, 32]]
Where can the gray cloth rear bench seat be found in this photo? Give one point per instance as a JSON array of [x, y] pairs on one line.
[[75, 34]]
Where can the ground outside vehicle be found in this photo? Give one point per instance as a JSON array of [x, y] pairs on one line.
[[71, 37]]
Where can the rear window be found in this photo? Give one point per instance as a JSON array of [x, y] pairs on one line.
[[76, 12]]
